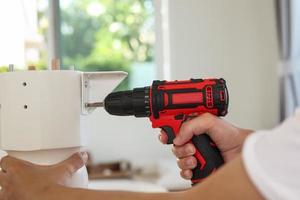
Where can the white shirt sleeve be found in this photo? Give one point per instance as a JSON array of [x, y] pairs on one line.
[[272, 160]]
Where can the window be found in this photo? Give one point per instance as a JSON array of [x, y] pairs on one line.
[[93, 35], [100, 35], [20, 39]]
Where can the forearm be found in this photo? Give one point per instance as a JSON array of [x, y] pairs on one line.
[[230, 182], [246, 132], [64, 193]]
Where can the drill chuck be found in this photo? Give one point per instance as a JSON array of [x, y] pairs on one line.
[[131, 102]]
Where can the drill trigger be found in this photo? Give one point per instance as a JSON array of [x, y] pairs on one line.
[[170, 133]]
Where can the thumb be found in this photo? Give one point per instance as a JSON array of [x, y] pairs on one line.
[[73, 163], [196, 126]]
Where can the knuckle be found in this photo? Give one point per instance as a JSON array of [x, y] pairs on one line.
[[179, 163], [80, 161], [182, 174], [194, 161], [76, 162], [188, 162], [186, 127], [189, 149], [211, 119], [208, 117], [68, 169], [182, 163], [184, 151], [185, 174], [76, 156], [179, 152]]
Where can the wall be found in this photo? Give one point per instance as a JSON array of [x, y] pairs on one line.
[[234, 39], [118, 138]]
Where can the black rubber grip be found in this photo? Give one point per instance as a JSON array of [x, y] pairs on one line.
[[211, 155], [208, 155], [170, 133]]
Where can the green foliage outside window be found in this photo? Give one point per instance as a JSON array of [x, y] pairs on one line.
[[102, 35], [3, 69], [107, 35]]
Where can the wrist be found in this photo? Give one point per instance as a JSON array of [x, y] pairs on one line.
[[245, 133], [235, 150]]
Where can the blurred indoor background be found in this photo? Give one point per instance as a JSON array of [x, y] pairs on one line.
[[253, 44]]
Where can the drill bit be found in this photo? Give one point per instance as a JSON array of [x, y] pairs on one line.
[[94, 105]]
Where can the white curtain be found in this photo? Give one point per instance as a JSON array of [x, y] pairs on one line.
[[288, 15]]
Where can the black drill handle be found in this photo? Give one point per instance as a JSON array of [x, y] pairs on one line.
[[208, 157], [207, 154]]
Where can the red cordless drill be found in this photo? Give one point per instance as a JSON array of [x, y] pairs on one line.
[[169, 104]]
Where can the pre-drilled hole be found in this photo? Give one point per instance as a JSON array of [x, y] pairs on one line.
[[24, 84], [25, 106]]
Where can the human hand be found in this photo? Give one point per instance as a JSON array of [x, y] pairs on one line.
[[227, 137], [22, 180]]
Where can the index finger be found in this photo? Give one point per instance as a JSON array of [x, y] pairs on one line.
[[163, 137], [196, 126]]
